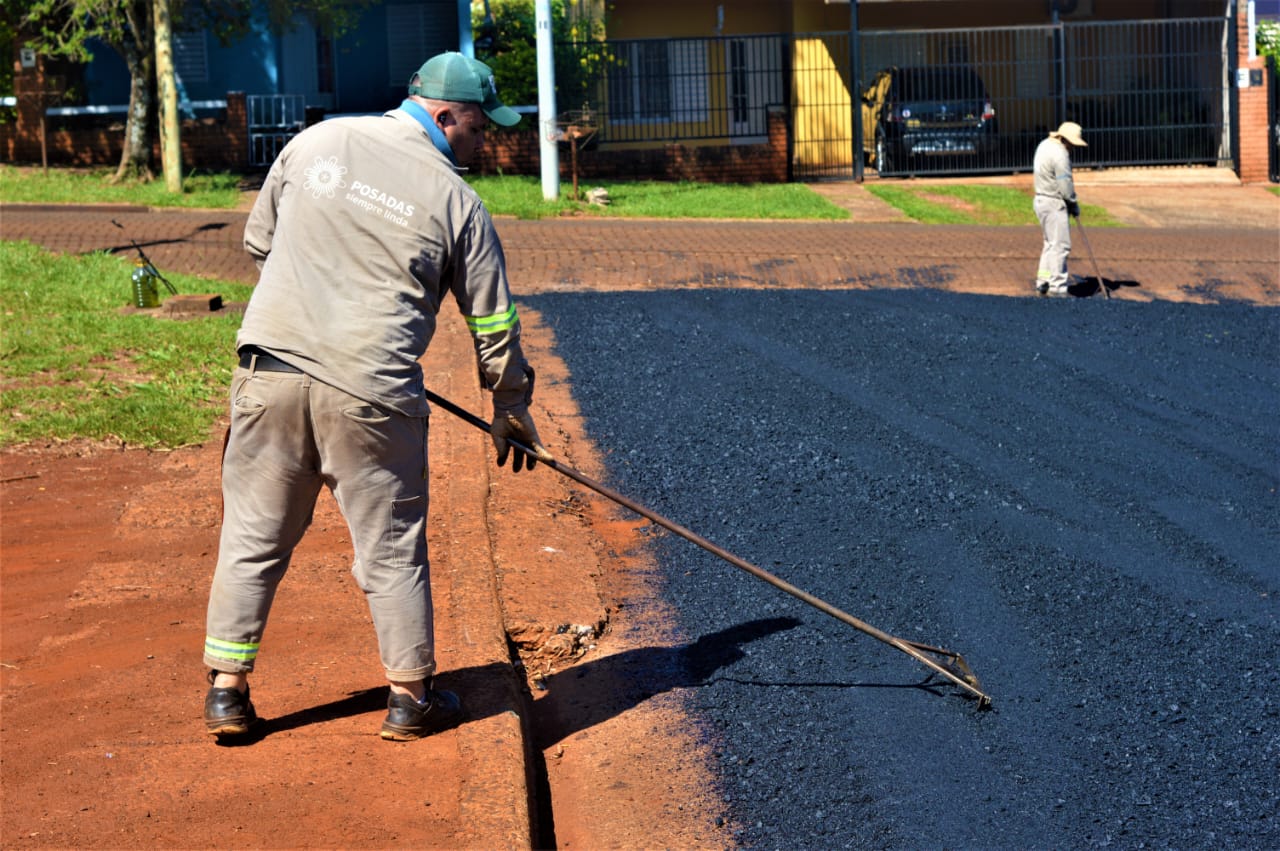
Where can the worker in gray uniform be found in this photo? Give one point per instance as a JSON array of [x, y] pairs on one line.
[[361, 230], [1055, 203]]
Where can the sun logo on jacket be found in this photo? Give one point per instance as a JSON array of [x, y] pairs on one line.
[[325, 177]]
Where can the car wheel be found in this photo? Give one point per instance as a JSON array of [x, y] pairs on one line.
[[884, 157]]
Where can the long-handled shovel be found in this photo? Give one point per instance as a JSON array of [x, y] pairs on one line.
[[1102, 285], [952, 666]]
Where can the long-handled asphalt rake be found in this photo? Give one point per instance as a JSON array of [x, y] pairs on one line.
[[1102, 285], [948, 664]]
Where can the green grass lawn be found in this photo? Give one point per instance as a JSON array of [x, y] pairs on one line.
[[73, 364], [962, 204], [92, 186], [521, 196]]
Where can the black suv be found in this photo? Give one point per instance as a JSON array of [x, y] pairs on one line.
[[925, 112]]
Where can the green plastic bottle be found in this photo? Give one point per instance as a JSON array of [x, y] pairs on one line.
[[145, 292]]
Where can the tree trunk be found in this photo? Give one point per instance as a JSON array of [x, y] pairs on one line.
[[140, 127], [166, 84]]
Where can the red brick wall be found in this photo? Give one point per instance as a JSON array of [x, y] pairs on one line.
[[207, 143], [222, 144], [1252, 165], [517, 153]]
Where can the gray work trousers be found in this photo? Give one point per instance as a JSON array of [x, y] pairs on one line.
[[289, 436], [1055, 225]]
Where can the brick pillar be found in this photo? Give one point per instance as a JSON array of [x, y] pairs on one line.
[[30, 89], [1253, 120], [778, 143], [673, 154], [26, 143], [238, 130]]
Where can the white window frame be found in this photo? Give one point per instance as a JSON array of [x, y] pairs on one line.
[[682, 63]]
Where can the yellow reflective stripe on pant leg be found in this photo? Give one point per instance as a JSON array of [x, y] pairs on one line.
[[493, 324], [230, 650]]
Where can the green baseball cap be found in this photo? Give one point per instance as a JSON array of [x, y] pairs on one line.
[[452, 76]]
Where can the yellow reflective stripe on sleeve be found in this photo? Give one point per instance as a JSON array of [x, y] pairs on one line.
[[230, 649], [493, 324]]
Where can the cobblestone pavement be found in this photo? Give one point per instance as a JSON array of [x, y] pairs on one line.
[[1199, 243], [1227, 255]]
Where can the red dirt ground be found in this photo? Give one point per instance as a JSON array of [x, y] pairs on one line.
[[106, 559], [107, 554]]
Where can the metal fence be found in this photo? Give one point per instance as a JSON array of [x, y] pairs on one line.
[[1146, 92], [273, 120], [1273, 119], [678, 89], [1151, 92]]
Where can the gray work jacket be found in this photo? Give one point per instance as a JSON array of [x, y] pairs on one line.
[[1051, 170], [360, 231]]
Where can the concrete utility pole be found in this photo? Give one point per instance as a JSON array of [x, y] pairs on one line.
[[166, 82], [548, 128]]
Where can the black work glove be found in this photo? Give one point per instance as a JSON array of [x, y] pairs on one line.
[[507, 427], [1073, 209]]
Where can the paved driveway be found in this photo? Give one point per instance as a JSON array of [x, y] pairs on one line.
[[1144, 263]]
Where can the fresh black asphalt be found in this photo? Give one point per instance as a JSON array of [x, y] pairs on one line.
[[1078, 495]]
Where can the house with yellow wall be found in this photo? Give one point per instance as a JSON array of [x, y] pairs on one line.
[[1153, 79]]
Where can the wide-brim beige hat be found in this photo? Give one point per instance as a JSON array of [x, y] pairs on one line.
[[1071, 132]]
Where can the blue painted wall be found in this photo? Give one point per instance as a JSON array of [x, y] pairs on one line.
[[253, 65]]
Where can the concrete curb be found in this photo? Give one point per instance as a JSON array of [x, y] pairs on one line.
[[497, 805]]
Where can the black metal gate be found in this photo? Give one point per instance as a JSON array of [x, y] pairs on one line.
[[273, 121], [1147, 92], [979, 100], [1273, 119]]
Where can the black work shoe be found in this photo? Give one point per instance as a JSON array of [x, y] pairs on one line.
[[407, 719], [1042, 287], [228, 711]]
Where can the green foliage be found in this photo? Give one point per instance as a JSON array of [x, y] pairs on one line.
[[72, 364], [9, 12], [513, 55], [65, 27], [1267, 39], [234, 19], [66, 186]]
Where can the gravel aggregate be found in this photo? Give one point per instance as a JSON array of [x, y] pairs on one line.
[[1079, 496]]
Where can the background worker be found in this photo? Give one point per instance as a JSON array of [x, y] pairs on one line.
[[361, 230], [1054, 203]]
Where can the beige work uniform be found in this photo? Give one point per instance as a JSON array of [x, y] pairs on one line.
[[1054, 188], [361, 230]]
